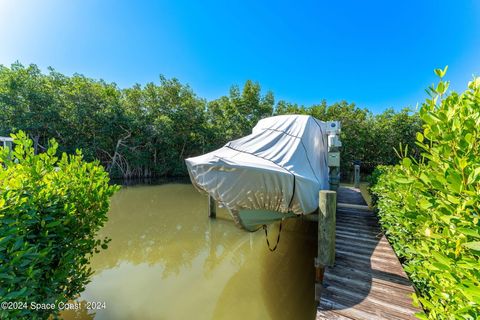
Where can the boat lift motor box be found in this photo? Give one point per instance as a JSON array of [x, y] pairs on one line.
[[334, 159], [333, 142], [334, 127], [333, 131]]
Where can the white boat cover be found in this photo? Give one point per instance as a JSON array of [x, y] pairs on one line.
[[280, 167]]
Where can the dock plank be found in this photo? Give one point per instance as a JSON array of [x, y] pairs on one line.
[[367, 280]]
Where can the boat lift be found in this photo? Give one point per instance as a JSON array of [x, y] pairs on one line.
[[326, 212], [6, 142]]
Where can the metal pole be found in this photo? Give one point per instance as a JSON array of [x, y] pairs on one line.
[[334, 144], [334, 178]]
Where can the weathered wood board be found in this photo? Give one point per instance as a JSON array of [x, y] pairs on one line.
[[367, 280]]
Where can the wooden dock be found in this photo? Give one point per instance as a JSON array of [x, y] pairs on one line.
[[367, 280]]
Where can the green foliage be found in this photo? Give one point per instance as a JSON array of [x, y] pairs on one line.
[[430, 208], [135, 132], [373, 179], [147, 131], [50, 211], [234, 116]]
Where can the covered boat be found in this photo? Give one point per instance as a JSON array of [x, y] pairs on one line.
[[274, 173]]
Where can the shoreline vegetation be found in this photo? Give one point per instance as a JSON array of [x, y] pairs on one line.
[[429, 208], [51, 209], [146, 131]]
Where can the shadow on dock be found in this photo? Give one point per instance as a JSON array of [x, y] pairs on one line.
[[367, 280]]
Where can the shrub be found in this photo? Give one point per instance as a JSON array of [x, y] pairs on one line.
[[373, 178], [430, 209], [50, 211]]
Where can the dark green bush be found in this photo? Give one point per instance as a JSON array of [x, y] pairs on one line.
[[430, 209], [50, 211]]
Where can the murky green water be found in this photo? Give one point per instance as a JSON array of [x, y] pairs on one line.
[[168, 260]]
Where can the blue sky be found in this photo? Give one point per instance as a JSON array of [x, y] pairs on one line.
[[378, 54]]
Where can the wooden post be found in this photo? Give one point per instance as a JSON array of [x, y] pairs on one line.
[[356, 180], [212, 207], [326, 237]]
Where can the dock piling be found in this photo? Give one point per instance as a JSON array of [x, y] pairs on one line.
[[356, 170], [212, 207], [326, 236]]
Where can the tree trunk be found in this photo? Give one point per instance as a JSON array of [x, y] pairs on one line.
[[36, 138], [117, 155]]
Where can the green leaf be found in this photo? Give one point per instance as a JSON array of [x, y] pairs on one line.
[[53, 224], [407, 163], [469, 138], [404, 180], [430, 118], [469, 232], [420, 137], [421, 316], [474, 245], [15, 294], [6, 276], [455, 181], [441, 73], [424, 178], [426, 303], [444, 71], [441, 258], [424, 204], [453, 199], [441, 266], [441, 88], [462, 162], [473, 175], [473, 293]]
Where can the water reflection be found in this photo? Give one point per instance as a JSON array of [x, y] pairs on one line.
[[168, 260]]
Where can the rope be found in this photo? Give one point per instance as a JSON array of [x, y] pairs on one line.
[[278, 238]]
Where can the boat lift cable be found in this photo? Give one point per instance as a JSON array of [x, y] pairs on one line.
[[264, 227], [278, 237]]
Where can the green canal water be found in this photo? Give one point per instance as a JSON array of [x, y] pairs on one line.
[[168, 260]]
